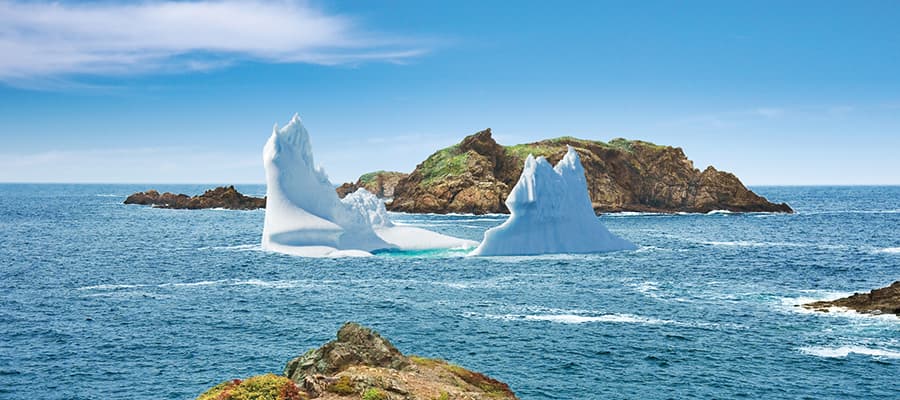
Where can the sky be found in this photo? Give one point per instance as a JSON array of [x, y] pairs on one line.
[[779, 93]]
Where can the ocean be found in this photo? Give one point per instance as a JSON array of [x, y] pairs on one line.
[[99, 300]]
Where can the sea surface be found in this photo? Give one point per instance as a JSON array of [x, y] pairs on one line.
[[99, 300]]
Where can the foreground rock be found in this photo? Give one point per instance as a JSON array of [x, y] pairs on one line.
[[476, 175], [879, 301], [379, 183], [220, 197], [362, 364]]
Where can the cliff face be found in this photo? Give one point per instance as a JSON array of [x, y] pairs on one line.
[[379, 183], [476, 175]]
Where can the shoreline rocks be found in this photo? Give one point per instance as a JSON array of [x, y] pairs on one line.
[[360, 363], [226, 197], [885, 300]]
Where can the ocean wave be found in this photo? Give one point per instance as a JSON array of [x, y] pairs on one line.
[[193, 284], [714, 212], [269, 284], [746, 243], [844, 351], [889, 250], [574, 318], [238, 247], [109, 195], [110, 287]]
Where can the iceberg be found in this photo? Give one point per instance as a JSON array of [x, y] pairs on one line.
[[305, 217], [551, 212]]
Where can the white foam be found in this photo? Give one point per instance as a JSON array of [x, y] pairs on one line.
[[574, 318], [268, 284], [580, 319], [110, 287], [239, 247], [745, 243], [844, 351], [109, 195], [193, 284], [714, 212], [889, 250]]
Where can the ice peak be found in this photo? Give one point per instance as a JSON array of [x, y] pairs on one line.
[[570, 162]]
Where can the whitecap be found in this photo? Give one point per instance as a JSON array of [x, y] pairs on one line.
[[745, 243], [193, 284], [239, 247], [109, 195], [109, 287], [844, 351], [268, 284], [573, 318], [889, 250]]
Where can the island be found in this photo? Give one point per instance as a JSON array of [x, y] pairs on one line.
[[361, 364], [226, 197], [879, 301], [476, 175]]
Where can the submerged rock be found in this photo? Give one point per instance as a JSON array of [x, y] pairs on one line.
[[226, 197], [476, 175], [879, 301], [360, 363]]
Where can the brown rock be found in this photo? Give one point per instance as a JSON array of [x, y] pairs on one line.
[[220, 197], [360, 362], [879, 301], [379, 183], [476, 175]]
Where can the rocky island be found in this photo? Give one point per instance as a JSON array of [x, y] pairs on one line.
[[360, 364], [220, 197], [879, 301], [476, 175]]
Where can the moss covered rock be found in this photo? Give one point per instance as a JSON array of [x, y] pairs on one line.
[[262, 387], [476, 175]]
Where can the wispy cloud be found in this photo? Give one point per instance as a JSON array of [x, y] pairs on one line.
[[140, 164], [43, 40]]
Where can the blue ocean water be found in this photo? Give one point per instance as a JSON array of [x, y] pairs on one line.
[[102, 300]]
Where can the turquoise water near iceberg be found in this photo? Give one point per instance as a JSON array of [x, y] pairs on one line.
[[103, 300]]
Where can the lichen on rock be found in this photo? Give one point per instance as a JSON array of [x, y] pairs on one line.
[[361, 364]]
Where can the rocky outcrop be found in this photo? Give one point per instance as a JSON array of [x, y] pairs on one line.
[[220, 197], [362, 364], [379, 183], [879, 301], [476, 175]]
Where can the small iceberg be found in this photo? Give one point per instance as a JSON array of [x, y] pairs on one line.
[[551, 212], [305, 217]]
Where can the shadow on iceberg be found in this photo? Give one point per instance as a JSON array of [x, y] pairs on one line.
[[305, 217], [550, 212]]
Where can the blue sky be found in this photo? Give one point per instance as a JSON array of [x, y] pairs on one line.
[[776, 92]]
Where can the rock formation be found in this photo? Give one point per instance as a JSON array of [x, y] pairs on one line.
[[220, 197], [379, 183], [362, 364], [476, 175], [879, 301]]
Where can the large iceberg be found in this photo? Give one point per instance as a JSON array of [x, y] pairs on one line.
[[305, 217], [550, 213]]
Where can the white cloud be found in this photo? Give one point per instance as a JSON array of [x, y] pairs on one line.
[[45, 40], [144, 164]]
